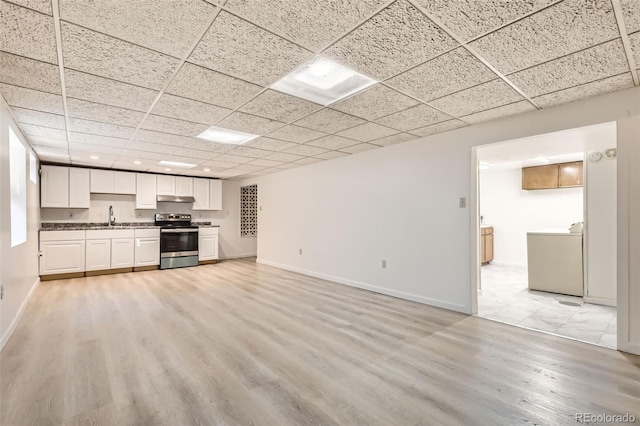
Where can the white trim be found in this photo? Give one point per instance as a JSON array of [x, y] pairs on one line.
[[18, 316], [600, 301], [238, 256], [475, 262], [399, 294]]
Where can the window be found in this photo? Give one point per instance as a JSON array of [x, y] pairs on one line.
[[33, 168], [249, 211], [18, 182]]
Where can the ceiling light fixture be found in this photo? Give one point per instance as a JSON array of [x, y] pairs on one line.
[[94, 157], [207, 169], [137, 162], [222, 135], [322, 81], [543, 159], [176, 164], [167, 169]]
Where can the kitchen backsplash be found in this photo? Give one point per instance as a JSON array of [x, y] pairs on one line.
[[123, 208]]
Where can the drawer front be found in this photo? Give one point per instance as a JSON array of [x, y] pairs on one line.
[[147, 233], [208, 231], [101, 234], [62, 235]]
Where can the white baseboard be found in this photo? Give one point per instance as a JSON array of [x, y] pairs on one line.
[[399, 294], [600, 301], [16, 320], [238, 256]]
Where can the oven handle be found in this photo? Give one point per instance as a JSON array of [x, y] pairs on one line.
[[178, 231]]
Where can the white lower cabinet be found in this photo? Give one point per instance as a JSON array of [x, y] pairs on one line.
[[147, 247], [98, 255], [208, 244], [109, 249], [122, 253], [62, 252]]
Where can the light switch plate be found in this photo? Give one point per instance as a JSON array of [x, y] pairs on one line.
[[463, 202]]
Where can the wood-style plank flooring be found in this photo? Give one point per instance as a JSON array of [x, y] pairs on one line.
[[239, 343]]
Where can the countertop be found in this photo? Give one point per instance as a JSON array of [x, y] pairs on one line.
[[555, 231], [89, 226]]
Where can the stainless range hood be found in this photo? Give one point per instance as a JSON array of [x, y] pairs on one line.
[[175, 199]]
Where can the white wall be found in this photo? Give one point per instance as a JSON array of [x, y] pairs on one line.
[[600, 231], [513, 212], [230, 243], [19, 264], [400, 203]]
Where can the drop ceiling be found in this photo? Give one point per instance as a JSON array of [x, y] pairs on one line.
[[138, 81]]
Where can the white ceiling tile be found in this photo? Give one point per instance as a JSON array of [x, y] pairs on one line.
[[102, 90], [312, 23], [354, 149], [309, 160], [97, 128], [287, 166], [305, 150], [265, 163], [79, 108], [49, 153], [631, 14], [296, 134], [195, 153], [81, 149], [229, 158], [235, 47], [330, 155], [128, 164], [587, 65], [478, 98], [634, 39], [51, 143], [39, 118], [329, 121], [28, 33], [161, 138], [32, 99], [436, 128], [499, 112], [180, 159], [29, 73], [190, 110], [471, 18], [172, 126], [332, 142], [284, 157], [95, 53], [600, 87], [269, 144], [168, 26], [392, 41], [220, 164], [367, 132], [151, 147], [244, 151], [248, 167], [375, 102], [43, 6], [394, 139], [279, 106], [412, 118], [230, 173], [561, 29], [205, 145], [448, 73], [249, 123], [86, 138], [43, 132], [202, 84], [144, 156]]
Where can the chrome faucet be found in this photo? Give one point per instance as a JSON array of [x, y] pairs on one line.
[[112, 218]]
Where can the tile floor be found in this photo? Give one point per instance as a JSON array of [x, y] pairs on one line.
[[506, 298]]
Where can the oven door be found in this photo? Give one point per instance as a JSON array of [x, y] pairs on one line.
[[178, 242]]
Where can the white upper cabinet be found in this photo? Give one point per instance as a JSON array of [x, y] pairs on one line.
[[112, 182], [201, 194], [166, 185], [184, 186], [54, 185], [146, 191], [79, 196], [215, 194]]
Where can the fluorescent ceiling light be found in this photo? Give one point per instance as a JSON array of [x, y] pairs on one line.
[[322, 81], [221, 135], [207, 169], [176, 164], [484, 165], [94, 157], [543, 159], [137, 162]]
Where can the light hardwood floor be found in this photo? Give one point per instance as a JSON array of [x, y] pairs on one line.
[[244, 344]]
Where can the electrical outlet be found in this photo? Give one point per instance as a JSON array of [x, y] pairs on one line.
[[463, 202], [260, 208], [300, 251], [70, 214], [1, 292], [384, 264]]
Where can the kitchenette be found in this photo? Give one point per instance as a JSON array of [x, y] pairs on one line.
[[166, 221]]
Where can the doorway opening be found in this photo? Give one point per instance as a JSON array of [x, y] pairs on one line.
[[547, 233]]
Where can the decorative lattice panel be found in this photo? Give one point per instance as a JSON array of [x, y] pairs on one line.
[[249, 211]]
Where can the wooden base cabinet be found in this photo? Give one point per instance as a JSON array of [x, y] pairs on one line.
[[486, 244]]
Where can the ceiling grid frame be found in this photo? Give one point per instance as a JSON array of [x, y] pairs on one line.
[[626, 43]]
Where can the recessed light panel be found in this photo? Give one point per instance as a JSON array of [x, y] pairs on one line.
[[322, 81], [222, 135], [176, 164]]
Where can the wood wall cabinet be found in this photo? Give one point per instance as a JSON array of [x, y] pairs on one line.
[[552, 176], [486, 244]]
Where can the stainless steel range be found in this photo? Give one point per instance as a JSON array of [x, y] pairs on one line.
[[178, 240]]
